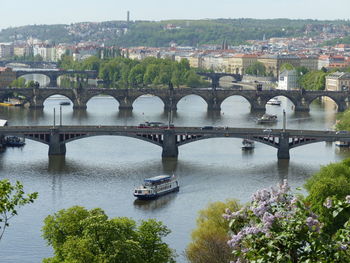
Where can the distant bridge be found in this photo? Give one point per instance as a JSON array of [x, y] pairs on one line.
[[170, 139], [215, 77], [170, 98], [53, 74], [32, 64]]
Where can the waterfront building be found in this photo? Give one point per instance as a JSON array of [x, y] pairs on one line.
[[338, 81]]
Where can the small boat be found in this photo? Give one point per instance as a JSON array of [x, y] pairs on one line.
[[274, 101], [12, 102], [14, 141], [342, 144], [267, 118], [156, 186], [65, 103], [248, 144]]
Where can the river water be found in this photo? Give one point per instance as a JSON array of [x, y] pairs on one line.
[[102, 171]]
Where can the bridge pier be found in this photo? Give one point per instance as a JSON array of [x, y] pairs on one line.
[[304, 108], [170, 149], [125, 104], [283, 148], [53, 81], [56, 147]]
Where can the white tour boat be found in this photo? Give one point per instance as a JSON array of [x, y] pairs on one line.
[[156, 186], [267, 118], [342, 144], [274, 101]]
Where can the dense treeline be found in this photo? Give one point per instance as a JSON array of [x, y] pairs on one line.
[[151, 71], [155, 33]]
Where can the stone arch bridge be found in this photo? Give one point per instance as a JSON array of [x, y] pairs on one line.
[[54, 74], [215, 77], [170, 139], [170, 98]]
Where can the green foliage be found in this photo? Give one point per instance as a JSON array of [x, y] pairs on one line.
[[209, 239], [332, 180], [256, 69], [80, 235], [11, 198], [153, 33], [286, 66], [18, 83], [343, 121], [313, 80], [150, 71]]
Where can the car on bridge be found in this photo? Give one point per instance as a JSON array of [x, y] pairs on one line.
[[207, 128], [267, 131]]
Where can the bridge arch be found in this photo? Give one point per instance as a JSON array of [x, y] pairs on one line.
[[236, 98], [183, 100], [33, 75], [90, 101], [66, 96], [151, 96], [341, 104], [151, 139]]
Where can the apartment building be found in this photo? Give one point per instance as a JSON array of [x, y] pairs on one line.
[[338, 81], [6, 77], [6, 50]]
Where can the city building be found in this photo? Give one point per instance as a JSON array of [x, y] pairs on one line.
[[6, 50], [338, 81], [6, 76], [288, 80]]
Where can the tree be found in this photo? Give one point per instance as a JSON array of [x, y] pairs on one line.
[[209, 239], [313, 80], [19, 83], [80, 235], [333, 181], [276, 226], [286, 66], [343, 122], [11, 198], [257, 69]]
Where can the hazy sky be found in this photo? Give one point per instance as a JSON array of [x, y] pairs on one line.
[[24, 12]]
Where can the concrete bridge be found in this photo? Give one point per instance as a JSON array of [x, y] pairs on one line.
[[170, 139], [170, 98], [53, 74], [215, 77]]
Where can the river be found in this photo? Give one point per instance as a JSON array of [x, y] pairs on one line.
[[102, 171]]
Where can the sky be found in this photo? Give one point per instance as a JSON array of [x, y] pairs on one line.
[[28, 12]]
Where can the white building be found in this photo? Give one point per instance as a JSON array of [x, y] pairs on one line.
[[288, 80], [6, 50]]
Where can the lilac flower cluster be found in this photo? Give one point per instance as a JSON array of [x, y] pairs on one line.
[[313, 224]]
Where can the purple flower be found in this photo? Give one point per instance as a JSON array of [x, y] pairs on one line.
[[328, 203], [313, 224], [268, 220]]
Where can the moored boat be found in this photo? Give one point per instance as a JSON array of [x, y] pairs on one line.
[[14, 141], [342, 144], [65, 103], [274, 101], [248, 144], [156, 186], [267, 118]]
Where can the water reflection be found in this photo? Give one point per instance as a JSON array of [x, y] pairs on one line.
[[80, 114], [283, 169], [157, 204], [56, 164]]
